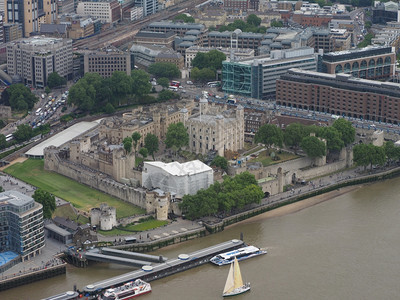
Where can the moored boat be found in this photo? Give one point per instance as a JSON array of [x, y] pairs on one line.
[[234, 283], [127, 291], [240, 254]]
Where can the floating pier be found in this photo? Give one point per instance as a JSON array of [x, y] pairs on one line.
[[172, 266], [152, 272]]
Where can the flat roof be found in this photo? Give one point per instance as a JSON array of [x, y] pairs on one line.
[[62, 137], [57, 229], [15, 198], [178, 169]]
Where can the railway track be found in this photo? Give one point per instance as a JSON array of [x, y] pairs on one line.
[[124, 33]]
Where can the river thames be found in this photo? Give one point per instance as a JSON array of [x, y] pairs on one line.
[[345, 248]]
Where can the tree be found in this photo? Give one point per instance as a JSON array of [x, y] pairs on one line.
[[275, 23], [220, 162], [176, 136], [333, 138], [47, 200], [23, 133], [55, 80], [47, 90], [166, 95], [346, 129], [294, 134], [211, 60], [109, 109], [368, 154], [135, 138], [232, 193], [269, 135], [163, 81], [3, 142], [367, 41], [140, 83], [151, 144], [83, 95], [121, 83], [185, 18], [144, 152], [14, 94], [204, 74], [253, 20], [392, 152], [313, 146], [164, 69], [127, 142]]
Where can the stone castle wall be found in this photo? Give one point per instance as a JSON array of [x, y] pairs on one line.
[[298, 168], [93, 179]]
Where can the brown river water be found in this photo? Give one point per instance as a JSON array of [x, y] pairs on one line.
[[345, 248]]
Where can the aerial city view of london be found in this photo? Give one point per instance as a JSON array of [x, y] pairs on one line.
[[150, 147]]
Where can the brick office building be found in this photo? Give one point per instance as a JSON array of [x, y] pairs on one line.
[[340, 94]]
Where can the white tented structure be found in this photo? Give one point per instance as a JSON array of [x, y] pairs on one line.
[[174, 177]]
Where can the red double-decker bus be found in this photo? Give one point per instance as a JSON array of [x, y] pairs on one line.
[[175, 83]]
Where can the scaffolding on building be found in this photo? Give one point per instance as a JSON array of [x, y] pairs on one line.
[[237, 78]]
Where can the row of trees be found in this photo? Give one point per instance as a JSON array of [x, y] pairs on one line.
[[252, 24], [93, 93], [369, 155], [232, 193], [23, 133], [296, 135], [176, 138], [150, 144]]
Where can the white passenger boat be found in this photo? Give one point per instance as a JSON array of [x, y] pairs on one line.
[[127, 291], [241, 254], [234, 283]]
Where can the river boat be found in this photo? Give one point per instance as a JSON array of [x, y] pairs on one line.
[[241, 254], [234, 283], [127, 291]]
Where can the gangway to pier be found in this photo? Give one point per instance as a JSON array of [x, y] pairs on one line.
[[133, 255], [172, 266], [134, 259], [115, 259]]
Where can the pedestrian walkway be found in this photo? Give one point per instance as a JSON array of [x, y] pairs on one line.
[[174, 228]]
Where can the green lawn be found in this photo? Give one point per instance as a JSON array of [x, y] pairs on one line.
[[147, 225], [266, 160], [81, 196]]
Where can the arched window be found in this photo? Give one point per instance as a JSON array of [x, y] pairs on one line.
[[363, 64], [355, 66], [379, 62], [372, 63], [347, 68], [388, 60], [338, 69]]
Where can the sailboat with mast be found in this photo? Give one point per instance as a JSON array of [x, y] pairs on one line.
[[234, 283]]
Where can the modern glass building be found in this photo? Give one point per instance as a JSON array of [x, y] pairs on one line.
[[257, 77], [21, 224]]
